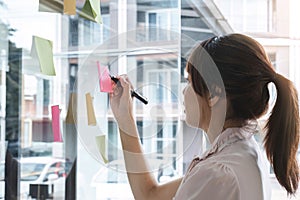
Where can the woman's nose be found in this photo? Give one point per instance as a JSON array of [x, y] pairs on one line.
[[184, 89]]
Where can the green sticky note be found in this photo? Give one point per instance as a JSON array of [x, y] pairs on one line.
[[100, 141], [91, 11], [42, 50]]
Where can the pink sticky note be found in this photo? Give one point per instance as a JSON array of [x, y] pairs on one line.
[[106, 84], [55, 123]]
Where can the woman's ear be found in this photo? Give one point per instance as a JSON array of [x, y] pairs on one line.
[[213, 100], [214, 97]]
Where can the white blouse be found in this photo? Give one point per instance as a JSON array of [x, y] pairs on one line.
[[233, 169]]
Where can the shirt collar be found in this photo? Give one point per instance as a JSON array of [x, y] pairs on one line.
[[227, 137], [231, 135]]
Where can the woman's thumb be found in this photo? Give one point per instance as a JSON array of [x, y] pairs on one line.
[[125, 85]]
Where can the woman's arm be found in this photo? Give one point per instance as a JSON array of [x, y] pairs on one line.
[[142, 181]]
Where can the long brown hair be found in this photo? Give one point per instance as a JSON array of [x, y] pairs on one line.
[[246, 72]]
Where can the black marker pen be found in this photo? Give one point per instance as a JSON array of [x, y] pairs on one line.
[[133, 93]]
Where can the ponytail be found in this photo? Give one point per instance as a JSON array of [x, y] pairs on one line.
[[282, 137]]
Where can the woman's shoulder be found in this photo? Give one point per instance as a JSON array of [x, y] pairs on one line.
[[214, 168]]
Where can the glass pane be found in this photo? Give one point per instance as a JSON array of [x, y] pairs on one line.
[[148, 40]]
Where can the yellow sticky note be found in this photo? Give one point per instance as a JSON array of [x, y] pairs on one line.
[[71, 114], [90, 110], [41, 49], [100, 141], [70, 7], [91, 11]]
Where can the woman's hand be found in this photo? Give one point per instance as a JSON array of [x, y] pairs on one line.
[[121, 100]]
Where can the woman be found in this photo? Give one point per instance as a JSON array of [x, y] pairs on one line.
[[228, 77]]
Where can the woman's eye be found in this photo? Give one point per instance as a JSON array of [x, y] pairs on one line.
[[187, 80]]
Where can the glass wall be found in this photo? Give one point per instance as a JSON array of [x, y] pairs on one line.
[[148, 40]]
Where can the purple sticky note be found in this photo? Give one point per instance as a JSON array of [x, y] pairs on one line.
[[106, 84], [55, 123]]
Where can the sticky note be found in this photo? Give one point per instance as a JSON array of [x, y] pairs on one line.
[[91, 11], [90, 110], [100, 142], [71, 113], [41, 50], [52, 7], [56, 123], [70, 7], [106, 84]]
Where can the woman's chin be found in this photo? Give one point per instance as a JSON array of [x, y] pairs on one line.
[[191, 123]]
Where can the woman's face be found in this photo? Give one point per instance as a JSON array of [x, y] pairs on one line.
[[197, 110]]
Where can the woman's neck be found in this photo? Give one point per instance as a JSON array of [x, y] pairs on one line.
[[229, 123]]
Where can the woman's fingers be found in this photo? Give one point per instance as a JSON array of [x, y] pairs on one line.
[[125, 83], [128, 81], [121, 100], [117, 90], [123, 88]]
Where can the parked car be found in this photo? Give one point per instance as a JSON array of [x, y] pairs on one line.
[[111, 180], [40, 170], [44, 170]]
